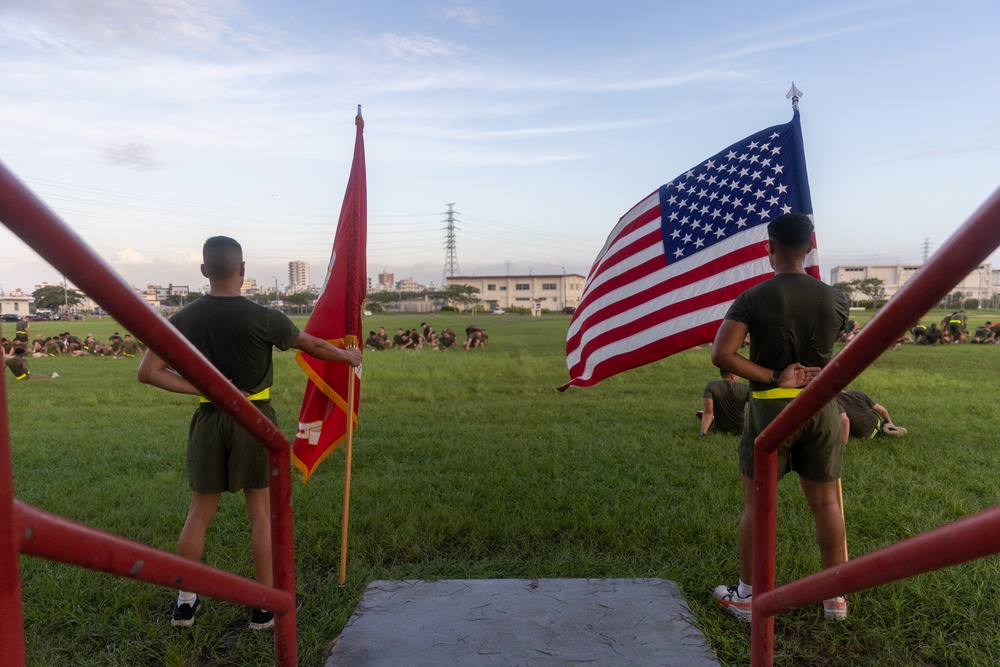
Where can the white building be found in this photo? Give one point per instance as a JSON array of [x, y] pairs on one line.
[[298, 276], [15, 303], [982, 284], [408, 284], [553, 292]]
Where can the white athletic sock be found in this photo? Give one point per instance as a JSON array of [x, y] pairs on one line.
[[183, 597], [744, 590]]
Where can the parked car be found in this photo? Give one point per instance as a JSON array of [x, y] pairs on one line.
[[569, 310], [497, 310]]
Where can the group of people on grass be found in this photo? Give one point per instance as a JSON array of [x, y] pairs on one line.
[[426, 336], [17, 351], [954, 328]]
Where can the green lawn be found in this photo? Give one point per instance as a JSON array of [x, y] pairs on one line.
[[472, 465]]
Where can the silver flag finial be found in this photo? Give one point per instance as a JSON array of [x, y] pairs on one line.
[[794, 94]]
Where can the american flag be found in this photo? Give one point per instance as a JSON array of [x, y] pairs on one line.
[[671, 267]]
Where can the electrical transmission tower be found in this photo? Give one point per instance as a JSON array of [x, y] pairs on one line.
[[451, 256], [927, 249]]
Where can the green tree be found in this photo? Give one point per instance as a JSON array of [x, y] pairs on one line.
[[300, 301], [873, 288], [462, 295], [55, 297], [379, 301]]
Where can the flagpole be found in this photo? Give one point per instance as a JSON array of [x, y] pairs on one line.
[[794, 94], [347, 466]]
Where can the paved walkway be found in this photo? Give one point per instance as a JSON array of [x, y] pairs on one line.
[[527, 623]]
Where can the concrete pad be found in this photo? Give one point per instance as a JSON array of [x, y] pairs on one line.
[[529, 623]]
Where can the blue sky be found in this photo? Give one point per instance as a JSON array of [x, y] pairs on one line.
[[149, 125]]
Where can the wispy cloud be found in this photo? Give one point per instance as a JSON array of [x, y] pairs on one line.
[[132, 154], [70, 27], [473, 14], [131, 256], [415, 45]]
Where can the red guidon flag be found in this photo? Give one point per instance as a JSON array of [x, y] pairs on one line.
[[336, 318]]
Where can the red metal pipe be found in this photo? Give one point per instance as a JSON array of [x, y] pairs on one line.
[[283, 557], [46, 535], [11, 612], [968, 538], [765, 526]]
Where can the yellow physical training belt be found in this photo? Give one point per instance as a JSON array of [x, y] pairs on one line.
[[20, 377], [263, 395], [778, 392]]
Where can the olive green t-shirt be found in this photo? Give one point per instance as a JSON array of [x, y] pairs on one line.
[[792, 317], [860, 411], [237, 336], [729, 402]]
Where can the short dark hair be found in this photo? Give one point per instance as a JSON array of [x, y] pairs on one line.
[[222, 256], [723, 373], [791, 230]]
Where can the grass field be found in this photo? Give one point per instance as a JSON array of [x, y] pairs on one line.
[[472, 465]]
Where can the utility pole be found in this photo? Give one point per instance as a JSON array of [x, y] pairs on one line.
[[451, 256]]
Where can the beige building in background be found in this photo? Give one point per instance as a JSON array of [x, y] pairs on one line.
[[981, 284], [553, 292]]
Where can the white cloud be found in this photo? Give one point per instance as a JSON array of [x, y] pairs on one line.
[[416, 45], [132, 154], [131, 256], [472, 14]]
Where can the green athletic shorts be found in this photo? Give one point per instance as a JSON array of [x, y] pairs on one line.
[[815, 451], [222, 456]]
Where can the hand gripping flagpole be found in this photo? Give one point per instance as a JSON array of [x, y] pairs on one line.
[[349, 342]]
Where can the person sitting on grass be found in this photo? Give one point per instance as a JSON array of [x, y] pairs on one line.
[[725, 404], [932, 336], [130, 348], [18, 366], [984, 334]]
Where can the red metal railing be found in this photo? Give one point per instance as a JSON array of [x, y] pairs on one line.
[[35, 532], [966, 539]]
